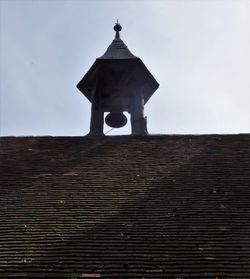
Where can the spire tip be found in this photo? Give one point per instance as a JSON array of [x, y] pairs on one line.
[[117, 26]]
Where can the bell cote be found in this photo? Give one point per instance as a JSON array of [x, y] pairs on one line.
[[118, 82]]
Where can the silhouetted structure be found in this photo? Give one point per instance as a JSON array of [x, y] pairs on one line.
[[118, 81]]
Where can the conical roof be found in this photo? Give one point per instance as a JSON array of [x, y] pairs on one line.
[[115, 63], [117, 49]]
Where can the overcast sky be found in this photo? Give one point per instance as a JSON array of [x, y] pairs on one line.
[[198, 50]]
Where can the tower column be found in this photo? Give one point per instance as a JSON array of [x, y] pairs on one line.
[[97, 115], [138, 121]]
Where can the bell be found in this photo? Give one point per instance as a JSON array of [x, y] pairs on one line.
[[116, 119]]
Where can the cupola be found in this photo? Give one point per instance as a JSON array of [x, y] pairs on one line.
[[118, 82]]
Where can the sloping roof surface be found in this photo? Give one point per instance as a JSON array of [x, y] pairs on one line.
[[125, 207]]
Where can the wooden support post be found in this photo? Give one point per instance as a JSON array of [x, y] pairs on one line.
[[138, 121], [97, 115]]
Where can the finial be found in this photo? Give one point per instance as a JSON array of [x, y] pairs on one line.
[[117, 29]]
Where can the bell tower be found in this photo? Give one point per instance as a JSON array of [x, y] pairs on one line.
[[118, 81]]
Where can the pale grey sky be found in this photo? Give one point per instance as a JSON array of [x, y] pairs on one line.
[[198, 50]]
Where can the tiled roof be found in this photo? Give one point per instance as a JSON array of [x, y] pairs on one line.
[[125, 207]]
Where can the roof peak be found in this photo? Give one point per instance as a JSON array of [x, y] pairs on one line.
[[117, 49]]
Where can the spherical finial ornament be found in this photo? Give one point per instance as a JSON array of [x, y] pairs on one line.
[[117, 27]]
